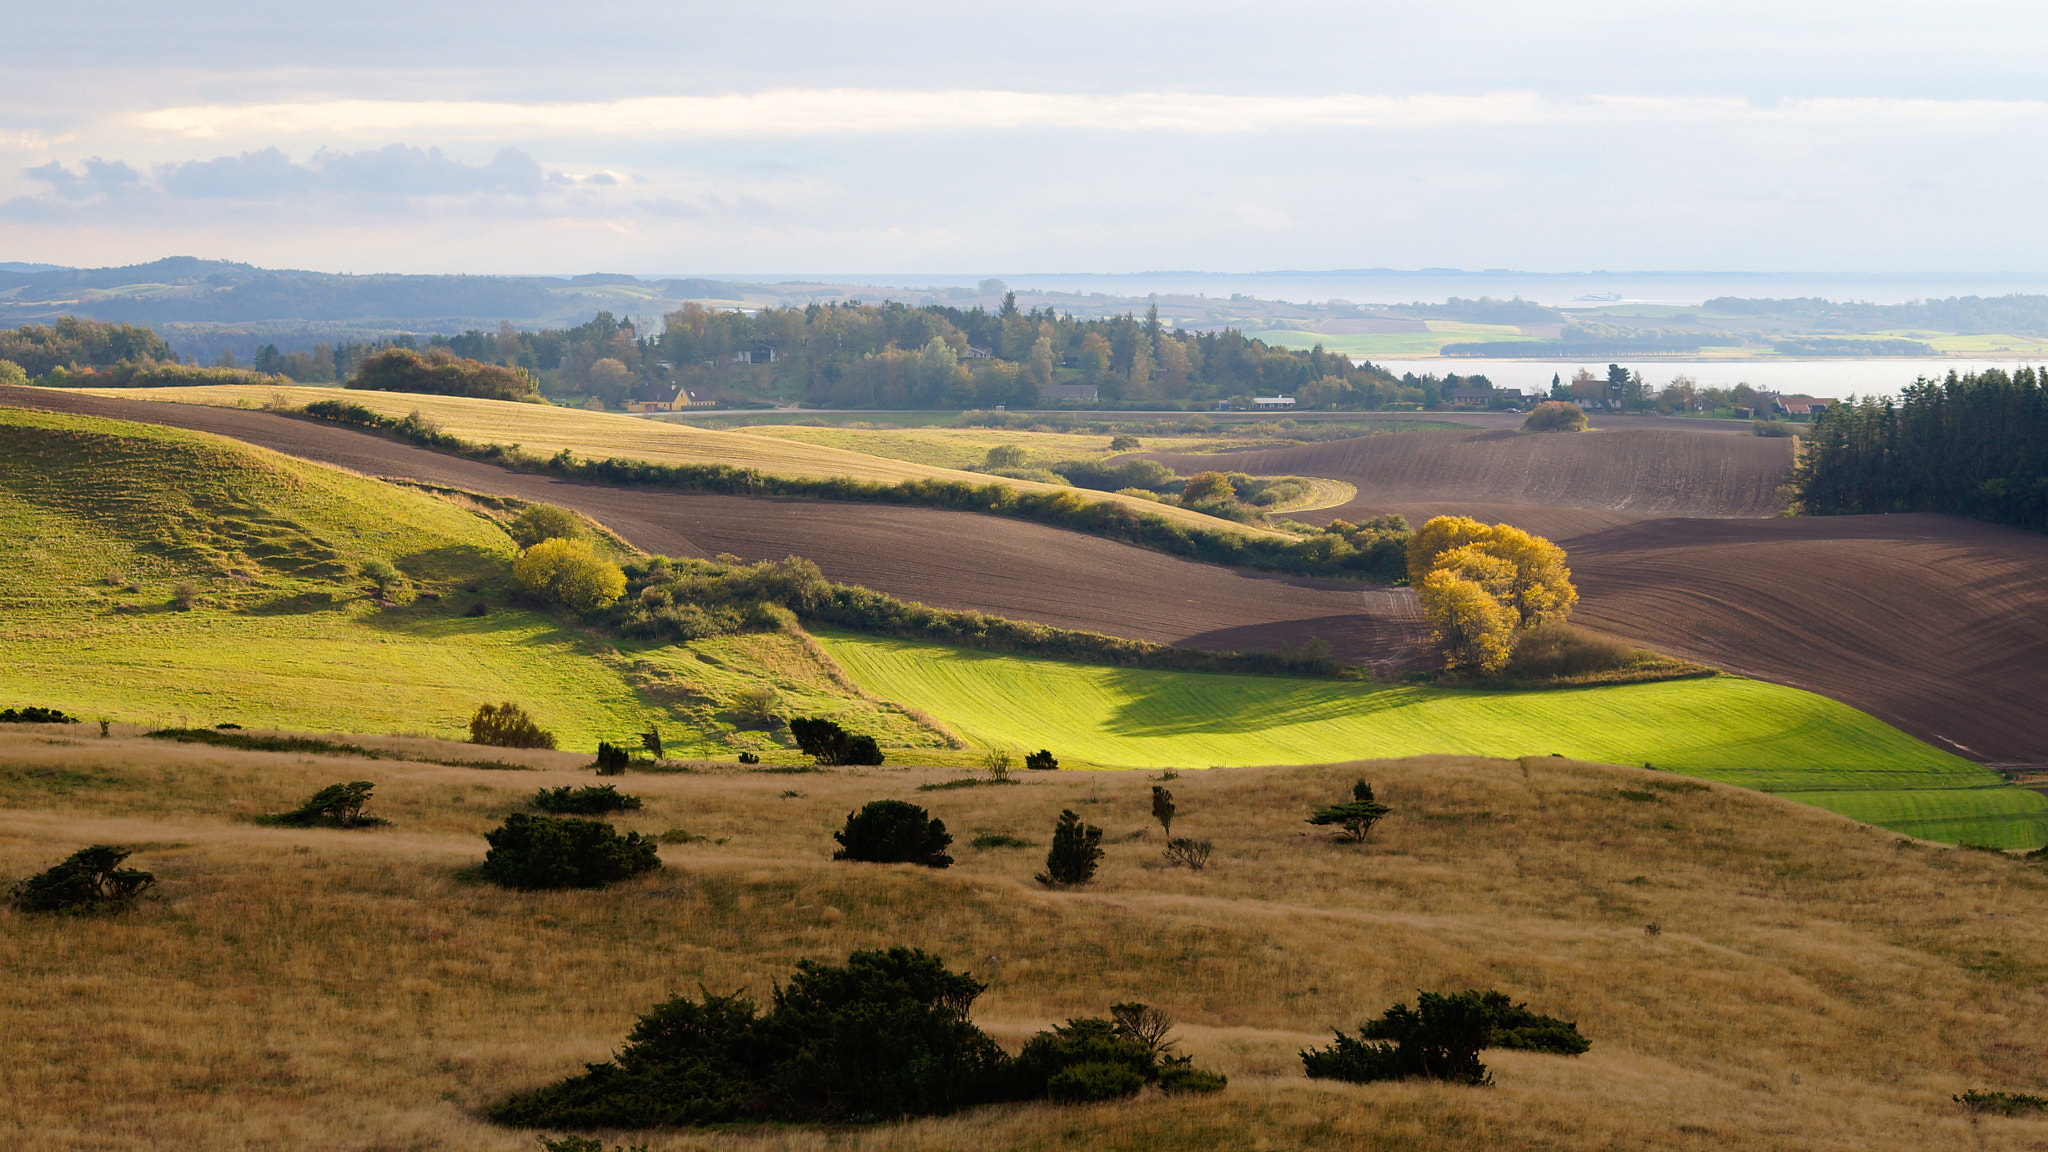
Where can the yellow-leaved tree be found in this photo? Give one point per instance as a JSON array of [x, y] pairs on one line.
[[569, 573], [1479, 583]]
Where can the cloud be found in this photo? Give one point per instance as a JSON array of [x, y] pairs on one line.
[[394, 170], [811, 112], [100, 178]]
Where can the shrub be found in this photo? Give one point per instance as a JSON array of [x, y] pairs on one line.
[[184, 596], [441, 373], [749, 758], [336, 806], [556, 852], [32, 714], [1162, 809], [1192, 853], [590, 800], [88, 878], [538, 522], [1124, 443], [1041, 761], [997, 763], [1005, 456], [1093, 1059], [1076, 851], [757, 702], [1088, 1083], [2003, 1103], [611, 759], [651, 740], [1355, 818], [1555, 416], [478, 609], [894, 832], [1775, 429], [1441, 1039], [988, 840], [569, 573], [828, 743], [887, 1035], [1551, 651], [507, 726]]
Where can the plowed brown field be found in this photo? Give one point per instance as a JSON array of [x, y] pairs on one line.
[[1637, 470], [947, 559], [1936, 624]]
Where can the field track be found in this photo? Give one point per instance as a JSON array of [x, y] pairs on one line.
[[1932, 623], [948, 559]]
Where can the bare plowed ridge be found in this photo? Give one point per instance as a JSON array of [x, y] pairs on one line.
[[1936, 624], [947, 559], [1653, 471]]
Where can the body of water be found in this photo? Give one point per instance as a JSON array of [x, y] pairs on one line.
[[1835, 378]]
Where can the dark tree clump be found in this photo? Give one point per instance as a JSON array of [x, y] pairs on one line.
[[591, 800], [335, 806], [441, 373], [828, 743], [557, 852], [1076, 850], [1355, 818], [1041, 761], [894, 832], [1162, 809], [611, 759], [88, 878], [885, 1036], [1440, 1039], [507, 726], [34, 715]]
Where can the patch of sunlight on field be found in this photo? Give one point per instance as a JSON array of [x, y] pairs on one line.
[[1743, 732], [544, 429]]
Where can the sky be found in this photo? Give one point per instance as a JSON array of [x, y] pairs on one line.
[[814, 139]]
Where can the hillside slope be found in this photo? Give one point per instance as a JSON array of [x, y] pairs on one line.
[[545, 429], [1810, 983]]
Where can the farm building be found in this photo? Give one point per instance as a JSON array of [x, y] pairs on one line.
[[1272, 401], [1802, 405]]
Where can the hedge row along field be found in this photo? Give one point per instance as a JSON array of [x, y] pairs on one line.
[[1743, 732], [1371, 551]]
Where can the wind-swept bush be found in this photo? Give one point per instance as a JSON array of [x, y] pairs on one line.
[[335, 806], [828, 743], [1555, 416], [507, 726], [88, 878], [34, 715], [590, 800], [1440, 1039], [557, 852], [887, 1035], [894, 832], [883, 1037], [1355, 817], [1076, 851]]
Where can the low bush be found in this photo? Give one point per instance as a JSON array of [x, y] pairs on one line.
[[2002, 1103], [1356, 818], [557, 852], [335, 806], [569, 573], [828, 743], [1093, 1059], [441, 373], [1548, 651], [507, 726], [1041, 761], [1775, 429], [1163, 809], [538, 522], [1555, 416], [612, 760], [894, 832], [749, 758], [1191, 854], [89, 878], [1440, 1039], [1076, 852], [988, 840], [590, 800], [34, 715]]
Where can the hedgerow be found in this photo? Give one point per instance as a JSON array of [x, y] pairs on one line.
[[1372, 552]]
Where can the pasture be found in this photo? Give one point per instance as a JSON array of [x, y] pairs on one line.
[[1809, 983], [1739, 731]]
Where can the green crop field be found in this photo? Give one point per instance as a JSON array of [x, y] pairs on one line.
[[1392, 343], [1743, 732]]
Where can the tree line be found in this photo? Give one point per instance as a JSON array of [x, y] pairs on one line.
[[1972, 445]]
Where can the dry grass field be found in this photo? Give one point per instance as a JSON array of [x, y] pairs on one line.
[[544, 429], [1813, 983]]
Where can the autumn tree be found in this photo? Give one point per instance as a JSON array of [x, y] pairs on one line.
[[569, 573]]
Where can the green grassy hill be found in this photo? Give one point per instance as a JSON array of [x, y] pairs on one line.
[[108, 519], [1744, 732]]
